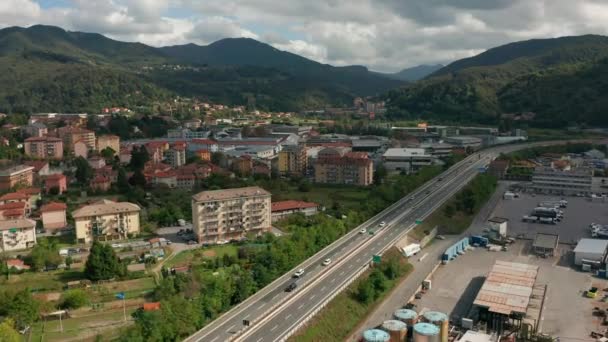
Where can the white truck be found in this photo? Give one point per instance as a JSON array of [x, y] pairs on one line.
[[411, 249]]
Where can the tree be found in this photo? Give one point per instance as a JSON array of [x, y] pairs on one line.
[[84, 171], [68, 262], [449, 211], [379, 174], [121, 181], [139, 157], [108, 153], [103, 263], [22, 308], [365, 292], [304, 186], [8, 332], [74, 299], [138, 179], [45, 254]]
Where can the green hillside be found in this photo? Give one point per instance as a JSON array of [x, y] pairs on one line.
[[45, 68], [561, 80]]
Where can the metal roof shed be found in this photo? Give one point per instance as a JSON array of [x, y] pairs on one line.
[[590, 249], [545, 244]]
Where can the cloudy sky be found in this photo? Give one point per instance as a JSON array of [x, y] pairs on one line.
[[385, 35]]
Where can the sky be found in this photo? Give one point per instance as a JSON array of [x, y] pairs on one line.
[[384, 35]]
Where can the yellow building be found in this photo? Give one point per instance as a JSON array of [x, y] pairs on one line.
[[111, 141], [292, 160], [223, 215], [106, 220]]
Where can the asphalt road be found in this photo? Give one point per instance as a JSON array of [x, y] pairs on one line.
[[274, 313]]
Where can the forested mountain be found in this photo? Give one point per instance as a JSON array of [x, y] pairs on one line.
[[45, 68], [562, 80], [414, 73]]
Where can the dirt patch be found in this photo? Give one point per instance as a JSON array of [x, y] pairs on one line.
[[209, 254]]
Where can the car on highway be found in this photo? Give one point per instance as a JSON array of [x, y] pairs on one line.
[[192, 242], [292, 286], [326, 262], [299, 273], [362, 231], [382, 224]]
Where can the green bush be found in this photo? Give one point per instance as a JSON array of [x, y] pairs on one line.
[[74, 299]]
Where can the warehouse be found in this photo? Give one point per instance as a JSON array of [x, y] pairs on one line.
[[510, 297], [590, 251], [545, 244]]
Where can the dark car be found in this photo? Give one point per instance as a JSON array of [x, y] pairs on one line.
[[291, 287]]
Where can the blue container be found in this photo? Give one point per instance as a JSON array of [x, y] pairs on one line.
[[426, 329]]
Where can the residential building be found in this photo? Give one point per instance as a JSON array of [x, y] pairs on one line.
[[230, 214], [58, 181], [80, 149], [156, 150], [185, 181], [293, 160], [283, 209], [168, 178], [111, 141], [53, 216], [187, 134], [34, 195], [100, 183], [20, 175], [257, 151], [97, 162], [12, 211], [551, 181], [205, 155], [71, 135], [106, 220], [17, 197], [203, 144], [243, 165], [44, 147], [406, 159], [176, 154], [36, 129], [352, 168], [17, 234], [41, 168], [125, 156], [17, 264]]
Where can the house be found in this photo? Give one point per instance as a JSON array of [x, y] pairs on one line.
[[261, 169], [17, 234], [80, 149], [43, 147], [36, 129], [17, 197], [53, 216], [243, 165], [203, 154], [20, 175], [12, 211], [283, 209], [151, 306], [185, 181], [58, 181], [41, 168], [125, 156], [168, 178], [17, 264], [106, 220], [97, 162], [100, 183], [35, 194]]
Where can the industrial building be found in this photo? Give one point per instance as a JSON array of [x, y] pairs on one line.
[[230, 214], [463, 141], [406, 159], [510, 296], [545, 244], [590, 251], [498, 226], [551, 181]]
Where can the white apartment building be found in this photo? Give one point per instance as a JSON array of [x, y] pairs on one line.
[[230, 214], [17, 234]]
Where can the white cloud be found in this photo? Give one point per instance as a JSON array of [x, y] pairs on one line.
[[384, 35]]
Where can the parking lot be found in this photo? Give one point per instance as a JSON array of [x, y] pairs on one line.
[[577, 216], [567, 313]]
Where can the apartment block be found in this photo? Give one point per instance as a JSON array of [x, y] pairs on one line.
[[230, 214], [111, 141], [44, 147], [21, 175], [564, 182], [53, 216], [36, 129], [176, 154], [17, 234], [106, 220], [353, 168], [293, 160], [71, 135]]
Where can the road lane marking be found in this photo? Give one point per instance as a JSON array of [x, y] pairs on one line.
[[259, 339], [301, 305], [333, 280], [215, 338], [230, 328], [247, 316], [312, 297], [342, 273], [273, 328], [287, 317], [323, 289]]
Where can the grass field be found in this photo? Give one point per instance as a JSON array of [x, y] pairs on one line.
[[40, 281], [348, 197], [197, 256], [340, 317]]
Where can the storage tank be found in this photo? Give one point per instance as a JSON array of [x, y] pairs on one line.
[[396, 329], [440, 320], [376, 335], [409, 317], [426, 332]]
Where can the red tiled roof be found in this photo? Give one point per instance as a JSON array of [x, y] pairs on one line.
[[13, 213], [12, 196], [13, 206], [100, 179], [37, 164], [53, 206], [151, 306], [204, 141], [356, 155], [42, 139], [162, 174], [55, 177], [292, 204], [16, 263], [186, 177], [29, 191]]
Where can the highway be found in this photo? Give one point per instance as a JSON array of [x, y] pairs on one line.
[[274, 313]]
